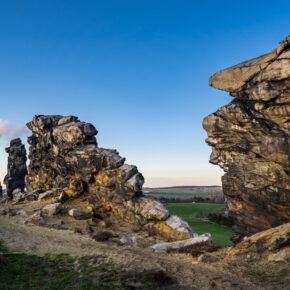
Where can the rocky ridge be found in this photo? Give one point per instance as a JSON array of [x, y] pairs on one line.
[[16, 168], [250, 140], [66, 163]]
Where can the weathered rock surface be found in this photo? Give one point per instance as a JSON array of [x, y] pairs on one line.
[[79, 214], [250, 140], [12, 211], [270, 240], [130, 241], [64, 157], [177, 227], [16, 168], [48, 194], [273, 244], [51, 209], [165, 247]]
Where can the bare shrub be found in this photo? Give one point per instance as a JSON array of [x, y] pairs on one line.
[[197, 249], [102, 236], [158, 277], [78, 231]]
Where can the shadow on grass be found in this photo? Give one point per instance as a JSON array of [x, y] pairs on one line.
[[62, 271], [23, 271]]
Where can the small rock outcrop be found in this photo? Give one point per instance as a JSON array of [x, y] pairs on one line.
[[167, 247], [65, 158], [130, 241], [274, 243], [51, 209], [16, 169], [250, 140], [79, 215]]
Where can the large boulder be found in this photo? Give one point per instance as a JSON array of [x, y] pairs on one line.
[[65, 158], [250, 140]]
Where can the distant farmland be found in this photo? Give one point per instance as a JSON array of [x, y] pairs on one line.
[[208, 189], [176, 194], [183, 192]]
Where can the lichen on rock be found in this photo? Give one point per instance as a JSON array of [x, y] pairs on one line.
[[250, 140]]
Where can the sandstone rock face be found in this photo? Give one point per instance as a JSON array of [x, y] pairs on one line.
[[274, 243], [16, 169], [271, 240], [250, 140], [64, 157]]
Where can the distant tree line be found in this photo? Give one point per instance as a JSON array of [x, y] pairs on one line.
[[220, 219]]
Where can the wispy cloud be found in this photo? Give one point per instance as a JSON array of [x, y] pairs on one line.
[[7, 131]]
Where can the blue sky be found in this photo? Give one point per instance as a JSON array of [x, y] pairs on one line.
[[137, 70]]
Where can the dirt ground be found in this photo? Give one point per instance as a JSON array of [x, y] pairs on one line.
[[61, 237], [32, 239]]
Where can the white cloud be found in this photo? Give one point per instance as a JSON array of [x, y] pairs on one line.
[[7, 129], [8, 132]]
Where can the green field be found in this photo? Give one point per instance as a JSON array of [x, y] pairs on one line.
[[220, 234]]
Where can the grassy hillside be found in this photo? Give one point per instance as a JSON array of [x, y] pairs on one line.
[[221, 234]]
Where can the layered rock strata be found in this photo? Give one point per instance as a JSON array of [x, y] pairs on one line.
[[64, 157], [16, 168], [250, 140]]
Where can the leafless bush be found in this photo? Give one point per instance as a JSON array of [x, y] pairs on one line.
[[197, 249], [102, 236], [78, 231], [159, 277]]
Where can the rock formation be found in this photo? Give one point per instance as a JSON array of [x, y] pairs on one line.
[[16, 169], [250, 140], [64, 157]]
